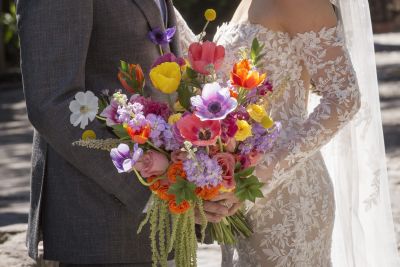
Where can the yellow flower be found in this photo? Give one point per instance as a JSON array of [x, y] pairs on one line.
[[267, 122], [210, 14], [178, 107], [166, 77], [88, 134], [174, 118], [244, 130], [256, 112]]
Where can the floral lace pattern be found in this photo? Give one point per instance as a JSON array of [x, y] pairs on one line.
[[293, 224]]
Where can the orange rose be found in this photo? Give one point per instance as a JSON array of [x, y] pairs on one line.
[[208, 193], [243, 76], [174, 170], [178, 209], [156, 185], [162, 193]]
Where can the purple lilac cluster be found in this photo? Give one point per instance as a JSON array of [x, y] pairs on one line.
[[262, 139], [161, 133], [203, 171], [152, 107], [133, 115]]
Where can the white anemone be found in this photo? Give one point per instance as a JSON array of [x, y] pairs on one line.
[[84, 108]]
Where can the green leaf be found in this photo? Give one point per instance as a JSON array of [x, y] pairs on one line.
[[124, 66], [120, 131], [191, 73], [248, 188], [183, 190], [245, 173], [184, 95]]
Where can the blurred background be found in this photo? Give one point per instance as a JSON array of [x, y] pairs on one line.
[[16, 132]]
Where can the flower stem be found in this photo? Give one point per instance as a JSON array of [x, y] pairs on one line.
[[208, 150], [161, 50], [101, 118], [221, 147], [140, 178], [158, 149], [202, 34]]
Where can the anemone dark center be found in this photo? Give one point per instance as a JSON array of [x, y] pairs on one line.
[[159, 36], [205, 134], [214, 107]]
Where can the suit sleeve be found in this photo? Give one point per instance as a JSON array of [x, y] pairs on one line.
[[55, 37]]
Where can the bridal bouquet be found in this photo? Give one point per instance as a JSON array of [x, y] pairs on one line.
[[204, 139]]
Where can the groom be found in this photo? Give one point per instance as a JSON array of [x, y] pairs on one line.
[[85, 212]]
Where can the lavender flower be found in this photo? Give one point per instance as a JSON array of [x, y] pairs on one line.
[[157, 125], [160, 37], [203, 171], [262, 139], [124, 159], [215, 102]]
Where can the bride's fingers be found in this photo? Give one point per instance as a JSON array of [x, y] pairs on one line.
[[234, 208], [215, 208]]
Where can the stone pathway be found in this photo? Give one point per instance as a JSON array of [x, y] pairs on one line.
[[15, 149]]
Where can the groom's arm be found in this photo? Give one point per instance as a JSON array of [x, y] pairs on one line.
[[55, 38]]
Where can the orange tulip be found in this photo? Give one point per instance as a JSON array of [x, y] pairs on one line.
[[141, 136], [243, 76], [131, 77]]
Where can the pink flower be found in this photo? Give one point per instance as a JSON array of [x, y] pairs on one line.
[[201, 55], [199, 133], [152, 163], [227, 163], [178, 155]]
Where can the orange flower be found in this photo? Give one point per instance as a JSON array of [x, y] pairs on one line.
[[162, 193], [243, 76], [178, 209], [233, 93], [131, 77], [207, 193], [174, 170], [156, 185], [141, 136]]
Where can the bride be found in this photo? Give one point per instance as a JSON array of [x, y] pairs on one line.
[[322, 207]]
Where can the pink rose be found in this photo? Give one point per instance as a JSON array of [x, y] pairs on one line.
[[251, 159], [178, 155], [227, 163], [152, 163], [201, 55]]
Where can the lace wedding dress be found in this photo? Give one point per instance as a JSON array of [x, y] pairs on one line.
[[293, 225]]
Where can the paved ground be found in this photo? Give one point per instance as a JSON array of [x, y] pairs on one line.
[[15, 147]]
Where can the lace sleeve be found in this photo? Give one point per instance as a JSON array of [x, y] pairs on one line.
[[185, 33], [326, 58]]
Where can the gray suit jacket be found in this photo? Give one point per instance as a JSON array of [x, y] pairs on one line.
[[85, 211]]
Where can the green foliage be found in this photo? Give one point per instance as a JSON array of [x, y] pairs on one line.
[[183, 190], [185, 92], [256, 53], [247, 185], [120, 131]]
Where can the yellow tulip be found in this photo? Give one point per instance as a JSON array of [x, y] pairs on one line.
[[244, 130], [166, 77], [256, 112], [174, 118], [267, 122]]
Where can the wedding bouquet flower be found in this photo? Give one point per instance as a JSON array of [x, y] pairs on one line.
[[205, 139]]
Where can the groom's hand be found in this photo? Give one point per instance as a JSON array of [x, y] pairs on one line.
[[226, 204]]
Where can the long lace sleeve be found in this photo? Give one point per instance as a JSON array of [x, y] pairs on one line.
[[327, 61], [185, 33]]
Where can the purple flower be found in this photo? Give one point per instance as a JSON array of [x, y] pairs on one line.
[[262, 139], [152, 107], [124, 159], [203, 170], [265, 87], [215, 102], [111, 113], [157, 125], [160, 37], [169, 57]]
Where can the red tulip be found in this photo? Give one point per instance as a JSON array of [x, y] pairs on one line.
[[201, 55]]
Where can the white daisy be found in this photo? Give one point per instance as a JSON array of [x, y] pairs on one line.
[[84, 108]]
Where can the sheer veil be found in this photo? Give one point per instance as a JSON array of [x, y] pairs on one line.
[[364, 231]]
